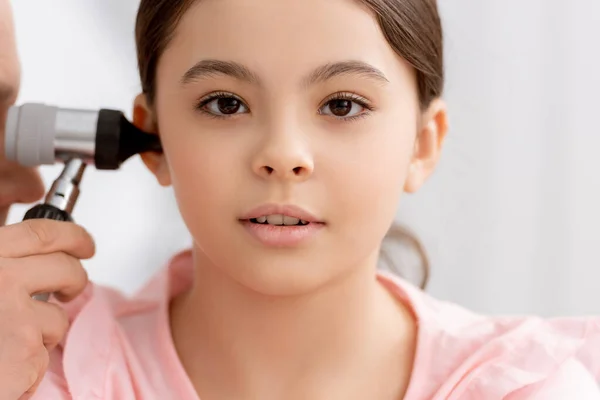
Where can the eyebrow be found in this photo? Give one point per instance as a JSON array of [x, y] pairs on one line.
[[332, 70], [207, 68]]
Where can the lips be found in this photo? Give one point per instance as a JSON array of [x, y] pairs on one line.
[[273, 225], [279, 220], [276, 212]]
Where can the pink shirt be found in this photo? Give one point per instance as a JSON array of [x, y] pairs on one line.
[[121, 348]]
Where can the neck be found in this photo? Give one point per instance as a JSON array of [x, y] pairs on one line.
[[255, 340]]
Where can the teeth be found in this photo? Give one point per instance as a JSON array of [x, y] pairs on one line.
[[275, 219], [279, 219], [290, 220]]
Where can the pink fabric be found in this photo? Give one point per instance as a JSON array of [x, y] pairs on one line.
[[121, 348]]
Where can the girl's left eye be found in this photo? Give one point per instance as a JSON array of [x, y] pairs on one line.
[[223, 105], [345, 106]]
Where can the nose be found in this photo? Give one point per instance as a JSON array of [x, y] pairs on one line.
[[284, 156]]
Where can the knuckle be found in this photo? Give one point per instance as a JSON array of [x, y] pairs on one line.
[[31, 339], [62, 322], [42, 360], [78, 273], [83, 275], [82, 278], [76, 278], [31, 375], [39, 232], [37, 366], [65, 259], [85, 240]]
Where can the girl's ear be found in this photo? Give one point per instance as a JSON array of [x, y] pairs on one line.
[[428, 146], [144, 119]]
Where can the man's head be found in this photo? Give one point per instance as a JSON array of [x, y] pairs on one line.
[[17, 184]]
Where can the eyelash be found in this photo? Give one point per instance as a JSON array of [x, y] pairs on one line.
[[204, 101], [361, 101]]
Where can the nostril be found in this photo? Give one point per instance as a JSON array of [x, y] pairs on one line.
[[297, 171]]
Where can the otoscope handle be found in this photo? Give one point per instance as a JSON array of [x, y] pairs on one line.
[[46, 211], [60, 200]]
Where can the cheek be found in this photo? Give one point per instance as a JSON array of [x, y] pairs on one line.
[[205, 172], [367, 176]]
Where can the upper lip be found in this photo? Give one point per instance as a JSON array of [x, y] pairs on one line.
[[276, 209]]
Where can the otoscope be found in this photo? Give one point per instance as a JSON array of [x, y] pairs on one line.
[[39, 134]]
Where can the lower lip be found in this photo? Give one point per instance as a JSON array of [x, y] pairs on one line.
[[282, 236]]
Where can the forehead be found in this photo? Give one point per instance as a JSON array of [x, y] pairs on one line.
[[286, 35]]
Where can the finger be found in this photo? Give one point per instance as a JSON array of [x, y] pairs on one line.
[[57, 273], [31, 362], [53, 322], [42, 236], [41, 366]]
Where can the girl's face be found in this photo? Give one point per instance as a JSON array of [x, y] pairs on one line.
[[298, 108]]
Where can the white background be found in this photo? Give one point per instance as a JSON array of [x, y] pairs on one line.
[[510, 220]]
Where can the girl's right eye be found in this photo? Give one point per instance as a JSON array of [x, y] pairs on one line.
[[222, 105]]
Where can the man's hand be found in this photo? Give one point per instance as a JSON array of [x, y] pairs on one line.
[[36, 256]]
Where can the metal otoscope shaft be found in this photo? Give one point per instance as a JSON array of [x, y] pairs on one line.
[[60, 200], [37, 134]]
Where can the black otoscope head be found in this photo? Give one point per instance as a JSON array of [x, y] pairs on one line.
[[37, 134]]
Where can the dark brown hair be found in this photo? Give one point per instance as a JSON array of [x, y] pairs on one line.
[[411, 27]]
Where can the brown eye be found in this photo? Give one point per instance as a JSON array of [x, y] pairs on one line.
[[222, 105], [344, 107], [340, 107], [229, 105]]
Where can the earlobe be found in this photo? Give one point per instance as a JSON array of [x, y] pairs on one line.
[[428, 145], [144, 119]]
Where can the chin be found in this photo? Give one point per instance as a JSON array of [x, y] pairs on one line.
[[283, 276], [278, 273]]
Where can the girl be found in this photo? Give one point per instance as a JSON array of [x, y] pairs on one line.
[[290, 130]]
